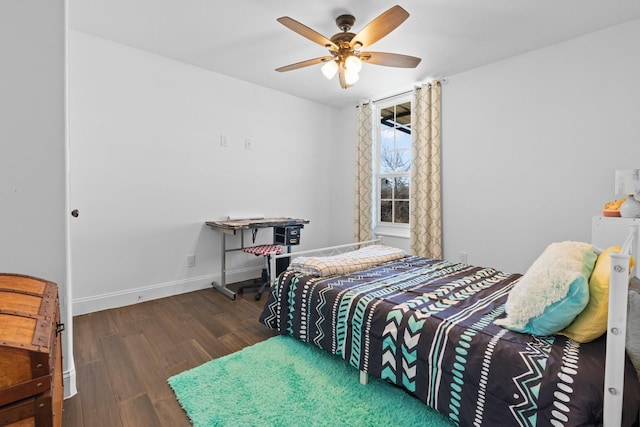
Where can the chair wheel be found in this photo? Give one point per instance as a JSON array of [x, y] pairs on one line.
[[240, 291], [258, 295]]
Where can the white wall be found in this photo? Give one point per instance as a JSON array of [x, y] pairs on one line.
[[344, 173], [32, 149], [32, 176], [531, 144], [148, 170]]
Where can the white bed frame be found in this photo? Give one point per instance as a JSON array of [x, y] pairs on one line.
[[617, 328], [617, 320]]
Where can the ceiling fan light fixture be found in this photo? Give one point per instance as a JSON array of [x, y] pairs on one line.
[[350, 76], [345, 56], [353, 63], [329, 69]]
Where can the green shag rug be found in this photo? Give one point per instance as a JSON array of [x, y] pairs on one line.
[[285, 382]]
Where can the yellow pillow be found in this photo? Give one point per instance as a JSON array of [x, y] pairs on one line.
[[591, 323]]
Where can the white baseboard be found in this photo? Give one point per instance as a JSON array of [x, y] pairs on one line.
[[69, 383], [160, 290]]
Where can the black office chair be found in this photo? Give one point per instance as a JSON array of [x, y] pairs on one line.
[[265, 251]]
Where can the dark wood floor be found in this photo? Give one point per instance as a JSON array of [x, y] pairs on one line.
[[124, 356]]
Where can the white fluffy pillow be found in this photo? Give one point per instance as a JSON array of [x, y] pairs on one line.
[[553, 291]]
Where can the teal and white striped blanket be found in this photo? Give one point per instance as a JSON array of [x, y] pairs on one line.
[[428, 326]]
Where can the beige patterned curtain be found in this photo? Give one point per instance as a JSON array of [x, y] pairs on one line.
[[363, 217], [425, 197]]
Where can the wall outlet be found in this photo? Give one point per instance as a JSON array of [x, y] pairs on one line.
[[247, 144], [191, 260], [224, 141], [462, 257]]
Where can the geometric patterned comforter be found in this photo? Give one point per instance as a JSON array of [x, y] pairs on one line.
[[427, 326]]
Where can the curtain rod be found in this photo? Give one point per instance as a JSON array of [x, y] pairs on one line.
[[441, 81], [393, 96], [390, 96]]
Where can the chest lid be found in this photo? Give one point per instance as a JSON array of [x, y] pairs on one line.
[[28, 312]]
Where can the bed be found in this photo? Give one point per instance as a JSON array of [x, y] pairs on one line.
[[433, 328]]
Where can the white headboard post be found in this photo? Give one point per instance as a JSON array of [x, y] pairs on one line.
[[616, 330]]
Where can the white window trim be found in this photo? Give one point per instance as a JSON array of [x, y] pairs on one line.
[[392, 230]]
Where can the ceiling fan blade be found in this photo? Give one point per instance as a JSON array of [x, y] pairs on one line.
[[307, 32], [390, 59], [379, 27], [303, 64]]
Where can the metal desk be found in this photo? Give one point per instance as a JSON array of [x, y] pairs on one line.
[[231, 227]]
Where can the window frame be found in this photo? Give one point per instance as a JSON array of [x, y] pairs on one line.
[[382, 227]]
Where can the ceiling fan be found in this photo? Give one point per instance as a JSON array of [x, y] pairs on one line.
[[346, 56]]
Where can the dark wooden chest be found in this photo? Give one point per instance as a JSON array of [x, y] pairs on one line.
[[30, 352]]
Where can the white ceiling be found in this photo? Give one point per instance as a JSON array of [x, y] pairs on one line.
[[242, 38]]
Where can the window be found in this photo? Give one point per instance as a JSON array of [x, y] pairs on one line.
[[394, 162]]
